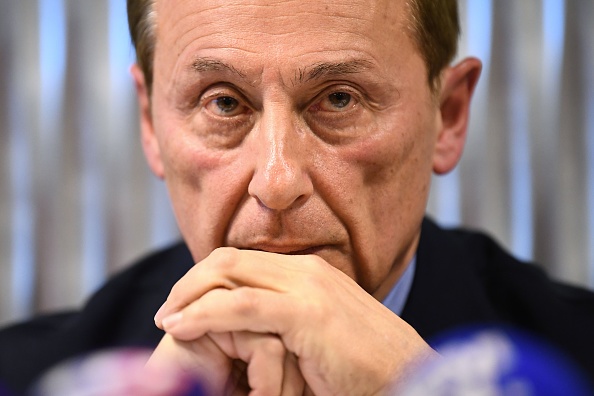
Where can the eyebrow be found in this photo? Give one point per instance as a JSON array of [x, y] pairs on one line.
[[203, 65], [302, 75], [332, 69]]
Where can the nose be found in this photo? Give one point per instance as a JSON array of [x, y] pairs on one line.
[[281, 179]]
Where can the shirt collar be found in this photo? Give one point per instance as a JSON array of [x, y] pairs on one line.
[[398, 295]]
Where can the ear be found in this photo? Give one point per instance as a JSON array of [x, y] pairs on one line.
[[150, 144], [457, 86]]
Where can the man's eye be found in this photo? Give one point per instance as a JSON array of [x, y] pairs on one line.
[[336, 101], [226, 106], [339, 99]]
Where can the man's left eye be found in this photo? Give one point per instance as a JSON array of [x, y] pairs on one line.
[[336, 101], [339, 99]]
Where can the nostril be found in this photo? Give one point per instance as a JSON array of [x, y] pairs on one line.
[[280, 192]]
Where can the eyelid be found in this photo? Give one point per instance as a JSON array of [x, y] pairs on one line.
[[356, 94], [221, 90]]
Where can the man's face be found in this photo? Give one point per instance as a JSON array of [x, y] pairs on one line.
[[296, 127]]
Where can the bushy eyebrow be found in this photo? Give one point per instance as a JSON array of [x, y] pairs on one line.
[[302, 75], [332, 69], [203, 65]]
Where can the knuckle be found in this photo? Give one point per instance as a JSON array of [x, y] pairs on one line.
[[314, 266], [316, 311], [273, 346], [316, 261], [245, 301], [314, 281], [223, 258], [195, 312]]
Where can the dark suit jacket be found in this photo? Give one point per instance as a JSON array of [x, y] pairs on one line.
[[462, 278]]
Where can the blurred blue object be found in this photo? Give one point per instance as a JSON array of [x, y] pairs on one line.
[[497, 361]]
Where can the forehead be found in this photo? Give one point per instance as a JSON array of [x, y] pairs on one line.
[[281, 30]]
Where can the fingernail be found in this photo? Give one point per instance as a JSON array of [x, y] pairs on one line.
[[159, 313], [171, 320]]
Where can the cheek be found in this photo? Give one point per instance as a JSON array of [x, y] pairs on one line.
[[183, 156], [395, 159], [190, 163], [400, 177], [393, 172], [205, 185]]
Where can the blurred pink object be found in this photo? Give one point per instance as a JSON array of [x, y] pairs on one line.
[[115, 372]]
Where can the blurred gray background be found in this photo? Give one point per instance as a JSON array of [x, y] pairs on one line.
[[77, 201]]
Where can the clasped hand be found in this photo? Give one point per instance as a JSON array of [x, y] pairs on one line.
[[270, 324]]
